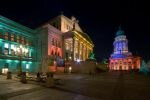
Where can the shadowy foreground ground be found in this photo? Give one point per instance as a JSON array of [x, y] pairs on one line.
[[104, 86]]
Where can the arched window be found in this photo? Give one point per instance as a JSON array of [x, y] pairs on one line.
[[55, 53], [52, 53]]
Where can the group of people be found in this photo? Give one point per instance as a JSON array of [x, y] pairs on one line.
[[43, 76]]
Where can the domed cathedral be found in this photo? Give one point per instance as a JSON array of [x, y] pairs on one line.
[[121, 58], [77, 45]]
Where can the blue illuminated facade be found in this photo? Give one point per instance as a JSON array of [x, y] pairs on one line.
[[121, 58], [120, 45]]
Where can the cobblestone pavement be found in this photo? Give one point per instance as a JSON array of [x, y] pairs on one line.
[[15, 90], [104, 86]]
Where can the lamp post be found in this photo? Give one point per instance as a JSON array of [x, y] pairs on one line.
[[19, 49]]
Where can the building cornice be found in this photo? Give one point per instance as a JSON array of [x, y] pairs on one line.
[[18, 28]]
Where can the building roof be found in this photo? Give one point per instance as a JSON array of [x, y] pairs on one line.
[[16, 27], [86, 36], [71, 33], [70, 20]]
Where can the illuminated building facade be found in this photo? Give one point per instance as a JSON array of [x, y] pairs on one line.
[[122, 59], [49, 45], [17, 49], [76, 44]]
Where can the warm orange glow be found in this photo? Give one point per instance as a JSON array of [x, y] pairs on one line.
[[134, 62], [52, 68]]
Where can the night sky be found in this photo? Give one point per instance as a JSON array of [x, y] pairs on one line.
[[98, 18]]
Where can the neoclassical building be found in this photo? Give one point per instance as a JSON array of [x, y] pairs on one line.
[[121, 58], [77, 44], [48, 46]]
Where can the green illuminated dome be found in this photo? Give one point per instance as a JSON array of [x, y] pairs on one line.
[[120, 32]]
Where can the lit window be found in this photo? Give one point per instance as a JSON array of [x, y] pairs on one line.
[[6, 50], [12, 49], [114, 68], [117, 68], [6, 45], [126, 67], [26, 50], [12, 46], [4, 70], [67, 46], [27, 66], [123, 68]]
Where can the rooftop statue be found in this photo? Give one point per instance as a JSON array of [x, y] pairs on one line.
[[91, 56]]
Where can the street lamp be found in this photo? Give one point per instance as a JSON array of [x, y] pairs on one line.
[[21, 50]]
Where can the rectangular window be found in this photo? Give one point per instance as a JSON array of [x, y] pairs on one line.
[[6, 36], [1, 35], [26, 52], [13, 49], [6, 50], [27, 66], [17, 50], [27, 42], [12, 37], [22, 40], [18, 39]]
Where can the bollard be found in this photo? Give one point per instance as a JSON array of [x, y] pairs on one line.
[[23, 77], [38, 77], [9, 75]]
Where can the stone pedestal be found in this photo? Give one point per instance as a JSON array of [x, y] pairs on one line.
[[85, 67]]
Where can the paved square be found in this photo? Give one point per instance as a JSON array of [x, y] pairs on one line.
[[104, 86]]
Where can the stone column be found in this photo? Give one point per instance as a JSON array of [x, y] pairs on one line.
[[78, 49], [73, 45], [85, 51], [82, 51]]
